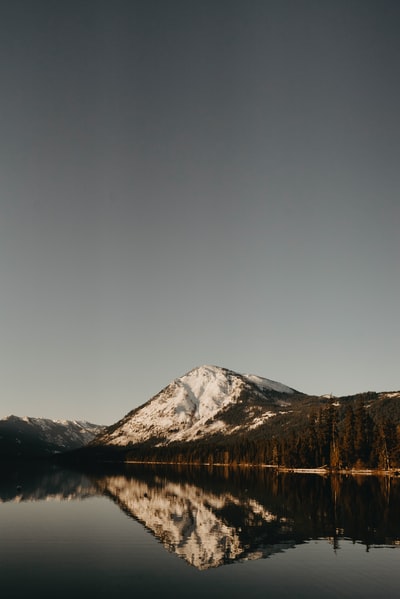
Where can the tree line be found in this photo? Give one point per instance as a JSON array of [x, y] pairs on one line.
[[333, 438], [340, 440]]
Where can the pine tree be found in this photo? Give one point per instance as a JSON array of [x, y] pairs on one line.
[[363, 432], [347, 440]]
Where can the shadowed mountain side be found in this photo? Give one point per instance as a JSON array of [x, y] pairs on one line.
[[32, 438]]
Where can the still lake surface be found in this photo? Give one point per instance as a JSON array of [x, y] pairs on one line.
[[145, 531]]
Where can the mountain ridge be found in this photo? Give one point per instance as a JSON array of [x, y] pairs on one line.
[[26, 437], [216, 415]]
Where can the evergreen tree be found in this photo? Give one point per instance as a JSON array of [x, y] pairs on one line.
[[379, 451], [363, 428], [347, 440]]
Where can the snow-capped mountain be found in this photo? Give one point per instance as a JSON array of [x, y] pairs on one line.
[[206, 401], [33, 437]]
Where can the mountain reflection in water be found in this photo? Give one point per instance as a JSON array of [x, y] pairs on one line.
[[205, 527], [212, 518]]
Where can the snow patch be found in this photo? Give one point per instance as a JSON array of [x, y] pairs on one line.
[[267, 384], [261, 419], [390, 394]]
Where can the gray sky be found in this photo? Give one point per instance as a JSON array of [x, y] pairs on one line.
[[196, 182]]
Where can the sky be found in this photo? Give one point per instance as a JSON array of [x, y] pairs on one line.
[[188, 182]]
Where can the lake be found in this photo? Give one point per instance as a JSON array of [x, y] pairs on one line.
[[149, 531]]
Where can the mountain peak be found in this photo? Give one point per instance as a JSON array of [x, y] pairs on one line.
[[207, 371], [218, 373], [194, 406]]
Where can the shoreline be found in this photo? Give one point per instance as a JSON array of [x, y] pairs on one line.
[[322, 471]]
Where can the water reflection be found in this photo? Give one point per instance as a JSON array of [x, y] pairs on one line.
[[206, 527], [33, 481], [214, 518]]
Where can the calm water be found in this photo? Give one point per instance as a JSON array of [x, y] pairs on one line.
[[144, 532]]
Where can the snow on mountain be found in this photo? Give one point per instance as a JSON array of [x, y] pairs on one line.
[[389, 395], [195, 405], [267, 384]]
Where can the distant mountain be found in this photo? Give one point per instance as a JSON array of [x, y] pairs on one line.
[[40, 437], [215, 415]]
